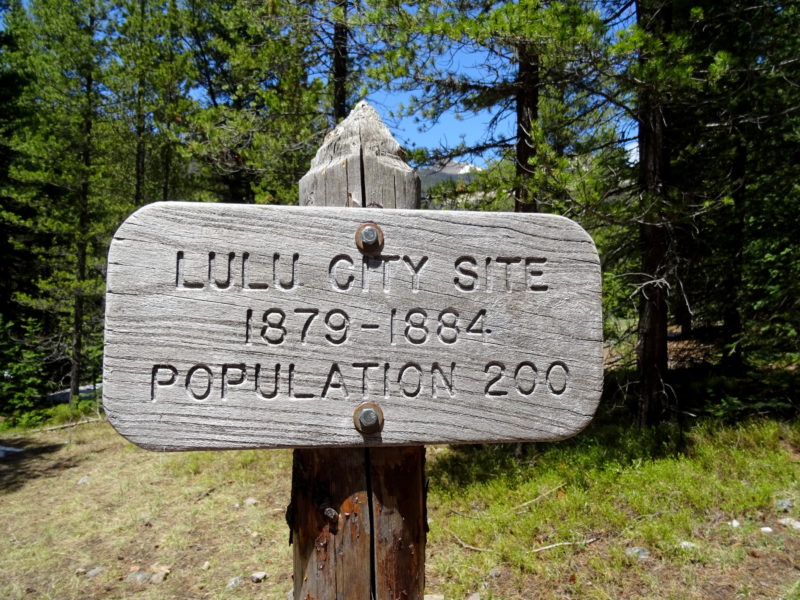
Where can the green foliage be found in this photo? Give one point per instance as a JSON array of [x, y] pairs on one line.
[[106, 106], [24, 377], [53, 416], [258, 124]]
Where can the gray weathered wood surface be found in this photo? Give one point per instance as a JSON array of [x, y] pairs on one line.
[[360, 165], [225, 329], [370, 542], [231, 326], [172, 319]]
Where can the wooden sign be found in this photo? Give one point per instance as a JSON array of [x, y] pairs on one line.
[[263, 326]]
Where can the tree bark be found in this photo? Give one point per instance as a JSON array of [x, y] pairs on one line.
[[138, 194], [81, 250], [527, 104], [340, 32], [654, 159], [732, 278]]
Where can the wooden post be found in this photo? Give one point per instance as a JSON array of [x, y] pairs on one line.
[[357, 515]]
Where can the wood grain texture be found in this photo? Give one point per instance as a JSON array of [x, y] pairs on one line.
[[391, 479], [399, 521], [175, 315], [331, 551], [360, 165]]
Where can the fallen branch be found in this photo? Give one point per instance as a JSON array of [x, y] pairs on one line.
[[468, 516], [581, 543], [469, 546], [67, 426], [211, 490], [539, 497], [515, 509]]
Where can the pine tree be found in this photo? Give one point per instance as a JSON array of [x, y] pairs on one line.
[[58, 168], [260, 117], [524, 65]]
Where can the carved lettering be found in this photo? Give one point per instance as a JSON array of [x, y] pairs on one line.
[[156, 381], [259, 387], [448, 383], [534, 273], [465, 266], [336, 283], [508, 261], [415, 270], [191, 378], [276, 277], [339, 384], [292, 392], [180, 279], [226, 378], [365, 367], [213, 281], [387, 260], [416, 387], [247, 283]]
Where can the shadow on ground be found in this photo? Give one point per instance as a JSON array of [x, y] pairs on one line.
[[35, 460]]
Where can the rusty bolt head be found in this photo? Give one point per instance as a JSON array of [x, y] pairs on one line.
[[368, 418], [369, 238], [331, 514]]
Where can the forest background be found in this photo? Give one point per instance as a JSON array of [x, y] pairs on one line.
[[669, 129]]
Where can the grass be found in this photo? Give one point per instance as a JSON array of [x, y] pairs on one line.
[[619, 489], [59, 414], [506, 521]]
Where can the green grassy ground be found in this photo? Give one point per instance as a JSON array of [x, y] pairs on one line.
[[506, 522]]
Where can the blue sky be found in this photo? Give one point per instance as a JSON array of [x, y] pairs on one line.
[[448, 131]]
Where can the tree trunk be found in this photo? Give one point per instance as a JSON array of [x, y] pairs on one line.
[[732, 277], [340, 32], [81, 251], [166, 165], [527, 101], [651, 350], [138, 193]]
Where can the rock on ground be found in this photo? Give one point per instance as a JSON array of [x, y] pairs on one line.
[[258, 576], [788, 522], [138, 576], [159, 575], [94, 572], [637, 552], [235, 582]]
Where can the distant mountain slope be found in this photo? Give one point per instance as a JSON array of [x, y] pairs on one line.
[[452, 171]]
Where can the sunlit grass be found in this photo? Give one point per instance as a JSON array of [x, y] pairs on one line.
[[609, 490], [542, 520]]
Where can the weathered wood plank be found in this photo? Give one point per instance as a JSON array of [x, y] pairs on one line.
[[495, 337], [330, 522], [236, 327], [398, 496]]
